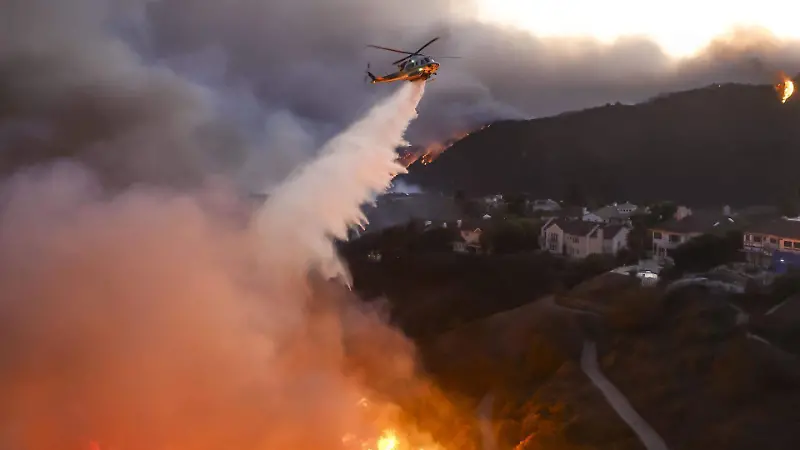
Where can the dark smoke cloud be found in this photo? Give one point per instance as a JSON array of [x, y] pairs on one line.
[[171, 90], [307, 56]]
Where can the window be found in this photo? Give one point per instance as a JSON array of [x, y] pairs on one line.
[[674, 238], [757, 238], [787, 244], [797, 245], [656, 235], [773, 240]]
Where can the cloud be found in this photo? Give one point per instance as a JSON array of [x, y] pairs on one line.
[[307, 56], [154, 317], [167, 91]]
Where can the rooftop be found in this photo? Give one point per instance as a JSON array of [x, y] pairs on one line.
[[575, 227], [699, 222], [776, 227]]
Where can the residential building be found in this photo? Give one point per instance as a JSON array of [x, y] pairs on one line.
[[545, 205], [626, 208], [773, 243], [686, 225], [581, 239], [592, 217], [615, 238], [470, 232], [568, 212], [551, 238], [613, 213], [578, 238]]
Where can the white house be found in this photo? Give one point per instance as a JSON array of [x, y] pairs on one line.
[[582, 239], [578, 238], [551, 238], [615, 238]]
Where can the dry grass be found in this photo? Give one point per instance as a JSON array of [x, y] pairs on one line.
[[598, 293]]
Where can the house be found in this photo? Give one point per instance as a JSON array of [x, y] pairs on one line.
[[545, 205], [615, 238], [581, 239], [613, 213], [551, 237], [592, 217], [578, 238], [470, 232], [774, 243], [626, 208], [567, 212], [686, 225]]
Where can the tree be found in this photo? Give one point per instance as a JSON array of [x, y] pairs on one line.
[[516, 205], [660, 212], [469, 207], [640, 240], [575, 196], [708, 251], [789, 204], [511, 236], [436, 240]]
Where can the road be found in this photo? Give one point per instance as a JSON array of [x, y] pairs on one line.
[[617, 400], [590, 366]]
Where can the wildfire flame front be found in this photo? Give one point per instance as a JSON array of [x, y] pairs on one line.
[[785, 88]]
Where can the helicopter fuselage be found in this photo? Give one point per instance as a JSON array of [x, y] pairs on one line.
[[415, 69]]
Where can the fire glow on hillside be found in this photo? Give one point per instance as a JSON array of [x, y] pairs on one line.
[[785, 88], [429, 153]]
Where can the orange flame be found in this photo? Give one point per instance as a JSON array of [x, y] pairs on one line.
[[432, 151], [785, 88]]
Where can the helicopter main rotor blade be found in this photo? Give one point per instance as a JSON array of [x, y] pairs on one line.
[[417, 53], [446, 57], [391, 49], [402, 59], [426, 45]]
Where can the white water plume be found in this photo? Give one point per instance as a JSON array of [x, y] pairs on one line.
[[323, 198]]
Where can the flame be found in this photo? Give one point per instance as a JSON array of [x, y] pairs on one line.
[[432, 151], [388, 440], [391, 437], [785, 88]]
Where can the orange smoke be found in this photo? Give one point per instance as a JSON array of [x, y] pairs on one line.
[[785, 88]]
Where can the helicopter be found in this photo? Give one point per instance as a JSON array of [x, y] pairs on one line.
[[413, 67]]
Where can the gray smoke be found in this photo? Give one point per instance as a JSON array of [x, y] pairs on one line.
[[168, 91]]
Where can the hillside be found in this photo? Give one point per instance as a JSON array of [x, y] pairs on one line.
[[728, 143]]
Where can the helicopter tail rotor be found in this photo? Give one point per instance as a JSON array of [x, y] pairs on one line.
[[369, 76]]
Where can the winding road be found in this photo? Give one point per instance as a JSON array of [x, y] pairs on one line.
[[589, 365], [617, 400]]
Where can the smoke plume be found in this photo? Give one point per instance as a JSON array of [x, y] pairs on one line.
[[149, 319]]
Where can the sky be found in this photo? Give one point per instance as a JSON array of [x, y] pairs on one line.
[[682, 27], [174, 91]]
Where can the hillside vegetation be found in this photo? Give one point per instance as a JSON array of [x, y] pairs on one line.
[[672, 147]]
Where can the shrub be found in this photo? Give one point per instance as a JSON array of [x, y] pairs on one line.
[[635, 309]]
